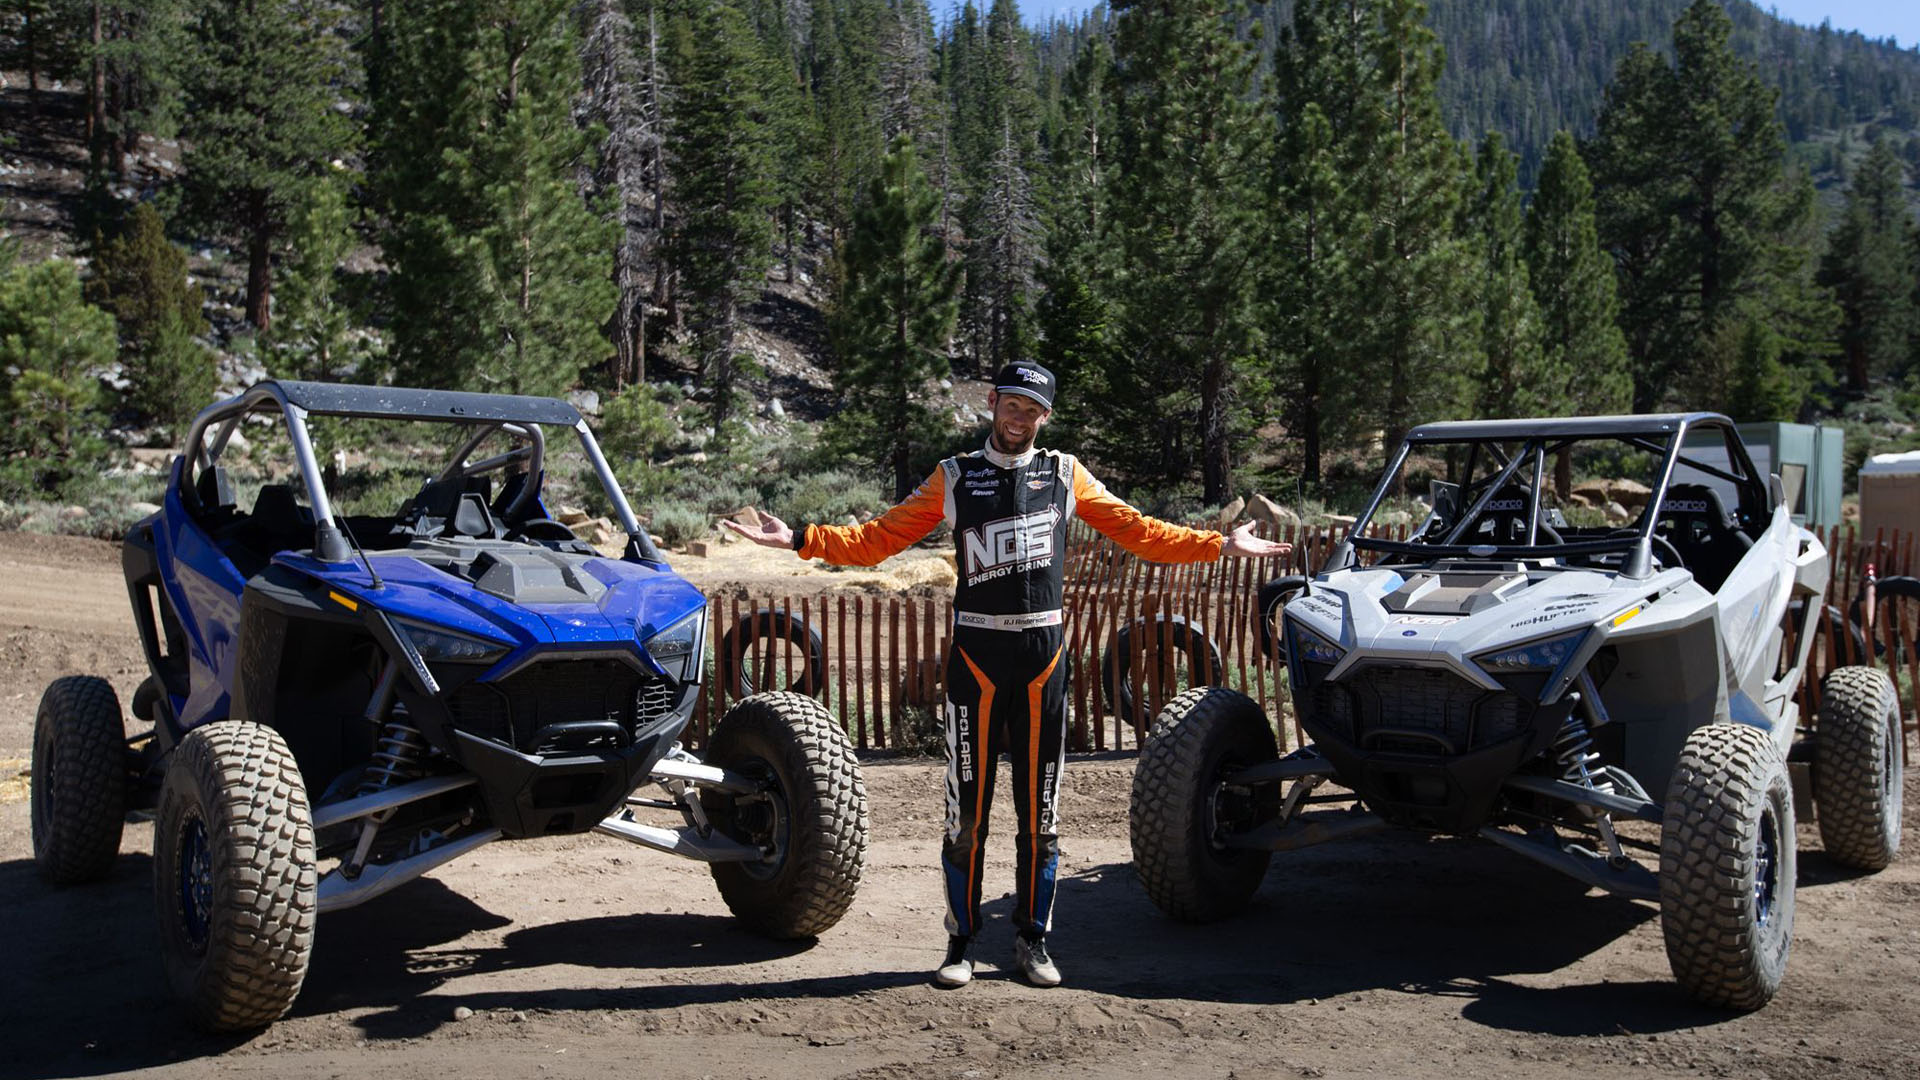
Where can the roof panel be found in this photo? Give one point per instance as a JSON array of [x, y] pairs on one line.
[[1559, 427], [402, 403]]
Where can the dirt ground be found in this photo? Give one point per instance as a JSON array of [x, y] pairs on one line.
[[1395, 956]]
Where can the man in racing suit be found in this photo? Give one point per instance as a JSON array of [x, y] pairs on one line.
[[1008, 504]]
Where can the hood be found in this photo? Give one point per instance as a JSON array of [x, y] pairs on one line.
[[1449, 612], [514, 593]]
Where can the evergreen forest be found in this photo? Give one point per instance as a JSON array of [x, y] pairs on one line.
[[1257, 242]]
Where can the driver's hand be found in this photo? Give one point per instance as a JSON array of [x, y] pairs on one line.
[[772, 532], [1243, 543]]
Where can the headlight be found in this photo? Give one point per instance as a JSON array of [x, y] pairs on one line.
[[1547, 654], [433, 643], [677, 649], [1309, 647]]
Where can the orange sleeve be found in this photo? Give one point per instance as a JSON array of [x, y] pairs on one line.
[[1149, 538], [889, 534]]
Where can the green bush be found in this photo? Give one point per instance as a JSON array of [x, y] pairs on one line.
[[637, 425], [673, 524], [830, 498], [51, 344]]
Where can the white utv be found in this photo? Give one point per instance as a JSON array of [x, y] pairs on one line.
[[1511, 674]]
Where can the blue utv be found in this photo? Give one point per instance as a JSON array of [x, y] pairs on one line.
[[338, 704]]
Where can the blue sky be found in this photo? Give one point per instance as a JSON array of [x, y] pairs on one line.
[[1874, 18]]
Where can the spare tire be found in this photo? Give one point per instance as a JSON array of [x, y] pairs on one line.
[[1204, 666], [771, 625]]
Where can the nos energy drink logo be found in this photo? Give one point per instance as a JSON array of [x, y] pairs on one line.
[[998, 547]]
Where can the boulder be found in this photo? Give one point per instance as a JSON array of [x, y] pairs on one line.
[[747, 517], [1617, 514], [1631, 494], [1278, 519], [586, 401], [570, 515], [1593, 491], [1231, 512], [143, 508]]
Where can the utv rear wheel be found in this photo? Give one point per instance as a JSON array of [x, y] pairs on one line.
[[1857, 772], [79, 792], [1184, 804], [811, 815], [1727, 867], [234, 876]]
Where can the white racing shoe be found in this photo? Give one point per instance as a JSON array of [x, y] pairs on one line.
[[1030, 956], [956, 970]]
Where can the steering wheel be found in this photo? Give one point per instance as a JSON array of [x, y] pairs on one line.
[[541, 529]]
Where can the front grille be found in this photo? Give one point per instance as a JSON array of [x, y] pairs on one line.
[[605, 702], [1420, 711]]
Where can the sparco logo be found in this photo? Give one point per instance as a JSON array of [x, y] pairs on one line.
[[1010, 540]]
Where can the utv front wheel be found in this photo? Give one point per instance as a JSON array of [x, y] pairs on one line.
[[79, 793], [1857, 773], [1184, 804], [1727, 867], [811, 815], [234, 876]]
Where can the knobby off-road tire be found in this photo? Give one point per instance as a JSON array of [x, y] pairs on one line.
[[1200, 738], [766, 627], [1727, 867], [234, 876], [1857, 773], [813, 813], [79, 792], [1168, 632]]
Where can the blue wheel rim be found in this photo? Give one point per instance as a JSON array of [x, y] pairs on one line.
[[1766, 869], [193, 875]]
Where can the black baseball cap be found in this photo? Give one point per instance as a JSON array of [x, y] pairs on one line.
[[1028, 378]]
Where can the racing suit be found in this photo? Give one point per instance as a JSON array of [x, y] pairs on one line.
[[1005, 675]]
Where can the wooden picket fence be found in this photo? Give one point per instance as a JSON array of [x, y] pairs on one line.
[[881, 659]]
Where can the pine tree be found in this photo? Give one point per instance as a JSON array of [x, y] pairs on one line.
[[1573, 284], [623, 99], [1001, 217], [1517, 379], [1186, 222], [890, 325], [312, 335], [1318, 226], [1869, 266], [1704, 223], [1416, 279], [51, 344], [140, 52], [499, 263], [264, 81], [142, 278], [1072, 317], [724, 195]]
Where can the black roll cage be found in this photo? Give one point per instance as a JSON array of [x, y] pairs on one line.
[[1664, 435], [487, 413]]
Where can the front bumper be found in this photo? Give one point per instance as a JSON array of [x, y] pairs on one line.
[[1422, 746], [558, 741]]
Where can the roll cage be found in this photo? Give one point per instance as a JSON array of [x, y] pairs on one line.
[[294, 402], [1518, 450]]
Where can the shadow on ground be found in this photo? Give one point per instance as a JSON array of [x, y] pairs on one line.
[[1395, 912]]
